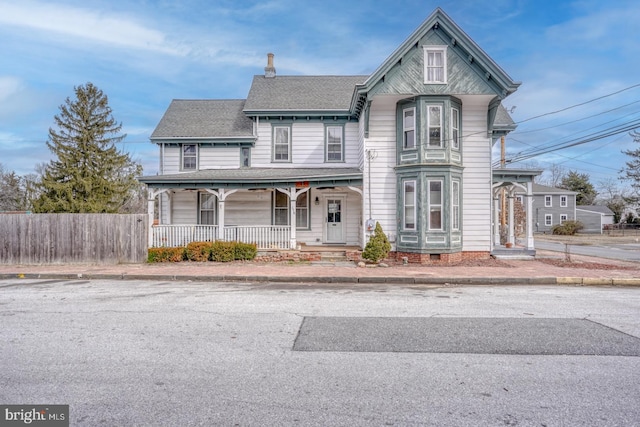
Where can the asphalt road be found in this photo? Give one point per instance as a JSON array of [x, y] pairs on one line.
[[623, 252], [183, 354]]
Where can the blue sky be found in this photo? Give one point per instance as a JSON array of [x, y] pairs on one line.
[[144, 53]]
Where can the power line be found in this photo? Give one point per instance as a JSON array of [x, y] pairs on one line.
[[580, 104]]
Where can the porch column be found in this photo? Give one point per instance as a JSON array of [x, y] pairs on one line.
[[511, 238], [293, 194], [221, 194], [496, 222], [529, 198], [151, 201]]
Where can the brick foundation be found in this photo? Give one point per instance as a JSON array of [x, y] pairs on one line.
[[437, 259]]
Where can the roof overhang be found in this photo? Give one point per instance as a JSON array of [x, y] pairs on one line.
[[257, 178], [506, 175], [244, 141]]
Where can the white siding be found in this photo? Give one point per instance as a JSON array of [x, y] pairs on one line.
[[382, 146], [219, 157], [185, 207], [171, 160], [307, 148], [248, 208], [476, 191]]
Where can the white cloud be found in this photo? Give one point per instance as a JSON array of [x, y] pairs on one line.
[[87, 25], [8, 87]]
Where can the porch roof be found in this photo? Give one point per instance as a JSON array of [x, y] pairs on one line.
[[258, 178]]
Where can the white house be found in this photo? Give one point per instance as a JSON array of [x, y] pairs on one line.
[[318, 160]]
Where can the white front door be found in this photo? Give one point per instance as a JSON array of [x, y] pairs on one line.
[[335, 218]]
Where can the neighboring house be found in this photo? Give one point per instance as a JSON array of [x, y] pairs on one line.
[[318, 160], [551, 206], [594, 218]]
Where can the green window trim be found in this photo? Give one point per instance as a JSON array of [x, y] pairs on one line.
[[409, 208], [409, 128], [281, 144], [334, 136], [434, 204]]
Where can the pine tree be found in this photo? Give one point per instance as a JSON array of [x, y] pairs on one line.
[[579, 182], [89, 175], [378, 246]]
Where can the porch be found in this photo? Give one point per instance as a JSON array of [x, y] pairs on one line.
[[265, 237]]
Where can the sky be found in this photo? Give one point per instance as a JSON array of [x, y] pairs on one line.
[[578, 62]]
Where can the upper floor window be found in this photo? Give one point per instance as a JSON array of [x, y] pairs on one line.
[[547, 201], [435, 205], [409, 198], [409, 128], [563, 201], [245, 157], [334, 143], [435, 64], [189, 156], [281, 144], [455, 129], [435, 126]]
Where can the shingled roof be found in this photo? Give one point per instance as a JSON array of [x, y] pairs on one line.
[[204, 118], [301, 93]]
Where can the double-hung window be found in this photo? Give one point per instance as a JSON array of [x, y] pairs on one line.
[[281, 144], [409, 198], [435, 205], [435, 64], [334, 143], [435, 126], [455, 129], [548, 220], [189, 156], [563, 218], [207, 211], [547, 201], [455, 205], [563, 201], [409, 128], [280, 209], [302, 210]]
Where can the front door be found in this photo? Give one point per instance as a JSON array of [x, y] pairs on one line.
[[335, 218]]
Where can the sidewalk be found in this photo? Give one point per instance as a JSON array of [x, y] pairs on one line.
[[548, 268]]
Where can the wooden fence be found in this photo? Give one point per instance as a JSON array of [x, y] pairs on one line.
[[73, 238]]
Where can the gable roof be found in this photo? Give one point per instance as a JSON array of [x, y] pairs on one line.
[[204, 119], [596, 209], [456, 39], [543, 189], [301, 93]]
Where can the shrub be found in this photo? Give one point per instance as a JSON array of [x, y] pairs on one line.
[[245, 251], [223, 251], [166, 254], [378, 246], [199, 251], [567, 228]]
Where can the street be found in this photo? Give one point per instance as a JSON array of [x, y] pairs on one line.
[[622, 252], [188, 353]]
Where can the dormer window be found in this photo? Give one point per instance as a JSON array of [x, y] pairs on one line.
[[435, 64]]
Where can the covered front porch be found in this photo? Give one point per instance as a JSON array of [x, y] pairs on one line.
[[277, 209], [513, 212]]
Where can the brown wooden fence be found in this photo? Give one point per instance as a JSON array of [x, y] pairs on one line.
[[73, 238]]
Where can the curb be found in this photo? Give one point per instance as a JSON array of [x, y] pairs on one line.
[[550, 280]]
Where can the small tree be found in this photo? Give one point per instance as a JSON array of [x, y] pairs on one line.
[[378, 246], [89, 175]]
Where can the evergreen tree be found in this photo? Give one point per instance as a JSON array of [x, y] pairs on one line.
[[89, 175], [579, 182], [378, 246], [12, 191]]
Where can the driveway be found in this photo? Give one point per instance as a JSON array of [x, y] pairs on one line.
[[189, 353]]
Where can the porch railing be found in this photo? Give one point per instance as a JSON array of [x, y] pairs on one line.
[[265, 237]]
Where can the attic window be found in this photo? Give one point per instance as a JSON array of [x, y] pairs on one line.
[[435, 64]]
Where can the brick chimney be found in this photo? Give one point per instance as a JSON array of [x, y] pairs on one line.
[[269, 70]]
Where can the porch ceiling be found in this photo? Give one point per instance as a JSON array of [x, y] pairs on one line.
[[258, 178], [514, 175]]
